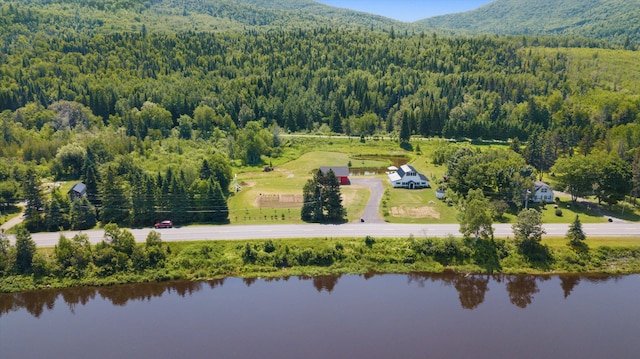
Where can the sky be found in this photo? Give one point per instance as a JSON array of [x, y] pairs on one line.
[[408, 10]]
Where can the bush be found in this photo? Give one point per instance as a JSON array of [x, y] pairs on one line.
[[369, 241], [269, 246], [558, 212]]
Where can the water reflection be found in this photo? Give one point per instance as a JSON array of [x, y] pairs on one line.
[[521, 289], [471, 289], [396, 161]]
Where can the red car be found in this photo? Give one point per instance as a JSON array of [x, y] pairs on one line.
[[164, 224]]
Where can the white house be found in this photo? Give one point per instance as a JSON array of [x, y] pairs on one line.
[[542, 193], [407, 177]]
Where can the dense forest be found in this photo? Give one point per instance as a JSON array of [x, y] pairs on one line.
[[119, 107], [613, 20]]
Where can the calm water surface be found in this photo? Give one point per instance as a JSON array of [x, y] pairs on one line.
[[380, 316]]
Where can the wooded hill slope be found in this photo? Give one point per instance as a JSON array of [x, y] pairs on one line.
[[178, 15], [612, 20]]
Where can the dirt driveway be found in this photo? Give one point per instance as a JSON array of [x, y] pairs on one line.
[[370, 214]]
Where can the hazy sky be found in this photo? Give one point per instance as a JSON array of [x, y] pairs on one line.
[[407, 10]]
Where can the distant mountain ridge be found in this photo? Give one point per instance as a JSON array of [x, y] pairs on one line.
[[614, 20], [187, 15]]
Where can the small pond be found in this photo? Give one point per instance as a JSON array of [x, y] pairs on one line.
[[387, 161]]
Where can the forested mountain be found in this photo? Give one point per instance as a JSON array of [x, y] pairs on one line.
[[610, 20], [104, 90], [179, 15], [613, 20]]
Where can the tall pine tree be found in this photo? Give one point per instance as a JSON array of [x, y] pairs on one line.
[[219, 208], [35, 200]]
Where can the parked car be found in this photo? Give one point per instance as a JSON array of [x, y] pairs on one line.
[[164, 224]]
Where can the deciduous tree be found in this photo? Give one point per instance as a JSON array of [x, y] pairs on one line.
[[476, 216]]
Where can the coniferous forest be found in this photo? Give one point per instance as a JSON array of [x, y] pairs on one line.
[[85, 97]]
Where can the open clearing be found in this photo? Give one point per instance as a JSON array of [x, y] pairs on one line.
[[415, 212]]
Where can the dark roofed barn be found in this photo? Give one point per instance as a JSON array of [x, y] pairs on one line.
[[78, 191], [341, 172]]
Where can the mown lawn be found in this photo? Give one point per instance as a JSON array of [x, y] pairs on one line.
[[303, 154], [275, 196]]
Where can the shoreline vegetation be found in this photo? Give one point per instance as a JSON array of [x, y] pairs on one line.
[[117, 260]]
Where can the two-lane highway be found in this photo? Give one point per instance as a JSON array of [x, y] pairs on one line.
[[379, 230]]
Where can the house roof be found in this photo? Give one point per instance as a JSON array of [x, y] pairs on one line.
[[79, 188], [540, 184], [339, 171], [394, 176], [408, 168]]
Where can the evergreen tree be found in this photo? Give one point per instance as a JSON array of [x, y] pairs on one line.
[[199, 192], [309, 197], [318, 212], [221, 171], [91, 177], [336, 123], [219, 207], [83, 214], [179, 202], [322, 199], [35, 200], [205, 171], [143, 200], [115, 198], [25, 250], [57, 212], [575, 235], [333, 202], [405, 132]]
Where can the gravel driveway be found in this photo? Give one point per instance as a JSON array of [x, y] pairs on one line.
[[370, 214]]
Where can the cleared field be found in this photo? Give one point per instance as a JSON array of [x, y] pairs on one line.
[[276, 196]]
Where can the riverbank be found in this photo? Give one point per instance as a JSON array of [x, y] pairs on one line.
[[314, 257]]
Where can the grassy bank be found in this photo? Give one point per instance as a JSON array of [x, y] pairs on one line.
[[312, 257]]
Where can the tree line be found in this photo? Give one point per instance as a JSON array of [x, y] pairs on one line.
[[352, 82], [75, 258]]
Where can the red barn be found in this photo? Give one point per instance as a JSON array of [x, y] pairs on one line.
[[341, 172]]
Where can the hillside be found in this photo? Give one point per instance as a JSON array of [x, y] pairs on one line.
[[613, 20], [178, 15]]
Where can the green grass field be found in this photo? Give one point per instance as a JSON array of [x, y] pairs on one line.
[[275, 197]]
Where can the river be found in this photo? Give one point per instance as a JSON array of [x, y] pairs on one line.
[[373, 316]]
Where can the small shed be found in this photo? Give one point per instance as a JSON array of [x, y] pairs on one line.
[[78, 191], [341, 172]]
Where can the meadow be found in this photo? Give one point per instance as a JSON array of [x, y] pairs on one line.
[[275, 196]]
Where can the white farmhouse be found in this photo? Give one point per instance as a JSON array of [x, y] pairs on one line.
[[542, 193], [407, 177]]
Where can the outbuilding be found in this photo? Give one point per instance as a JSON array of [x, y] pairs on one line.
[[341, 173], [78, 191]]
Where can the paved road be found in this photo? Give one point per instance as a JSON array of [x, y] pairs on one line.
[[282, 231], [15, 220]]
